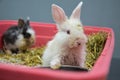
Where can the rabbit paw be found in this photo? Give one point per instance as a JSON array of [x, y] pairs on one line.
[[55, 64], [8, 52]]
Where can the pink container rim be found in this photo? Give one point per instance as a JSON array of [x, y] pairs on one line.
[[98, 72]]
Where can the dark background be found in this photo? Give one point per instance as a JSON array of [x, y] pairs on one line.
[[94, 12]]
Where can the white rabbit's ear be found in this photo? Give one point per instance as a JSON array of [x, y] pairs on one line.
[[76, 12], [58, 14]]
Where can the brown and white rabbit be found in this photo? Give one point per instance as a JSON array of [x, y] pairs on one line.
[[68, 47], [19, 37]]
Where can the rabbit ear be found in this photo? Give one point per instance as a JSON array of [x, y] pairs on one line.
[[76, 12], [58, 14], [21, 22], [28, 21]]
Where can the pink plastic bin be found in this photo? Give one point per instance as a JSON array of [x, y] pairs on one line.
[[45, 32]]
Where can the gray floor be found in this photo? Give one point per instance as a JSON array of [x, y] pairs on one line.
[[94, 12]]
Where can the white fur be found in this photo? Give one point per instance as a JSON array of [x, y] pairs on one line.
[[32, 32], [32, 39], [20, 41], [63, 49]]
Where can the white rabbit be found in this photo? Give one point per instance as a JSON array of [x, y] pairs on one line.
[[68, 47]]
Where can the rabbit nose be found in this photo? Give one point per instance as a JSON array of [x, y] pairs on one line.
[[78, 43]]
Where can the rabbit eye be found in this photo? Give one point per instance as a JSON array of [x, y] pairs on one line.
[[68, 31], [27, 35]]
